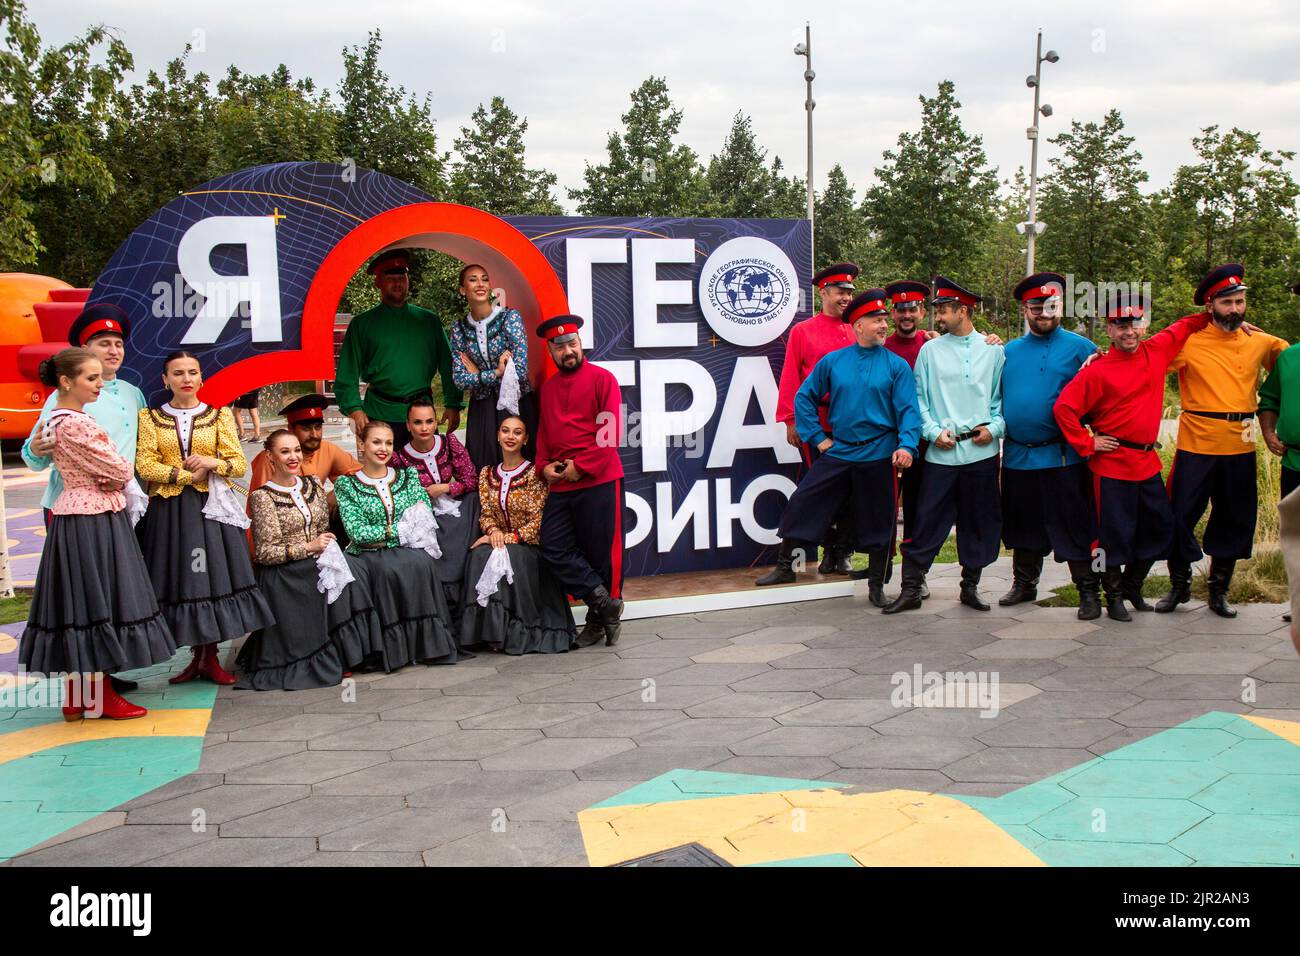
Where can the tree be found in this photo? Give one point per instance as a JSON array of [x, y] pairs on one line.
[[934, 200], [157, 141], [738, 183], [1237, 204], [1000, 264], [382, 127], [1095, 214], [840, 223], [490, 171], [270, 119], [53, 102], [645, 172]]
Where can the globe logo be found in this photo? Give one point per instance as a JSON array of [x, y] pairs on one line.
[[749, 292]]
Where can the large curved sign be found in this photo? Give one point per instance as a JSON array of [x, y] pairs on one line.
[[690, 314]]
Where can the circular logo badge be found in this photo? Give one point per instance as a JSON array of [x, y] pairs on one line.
[[748, 291]]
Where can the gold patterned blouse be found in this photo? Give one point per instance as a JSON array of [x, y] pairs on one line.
[[169, 435], [286, 518], [512, 501]]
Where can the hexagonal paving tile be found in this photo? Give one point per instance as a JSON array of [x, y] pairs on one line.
[[1047, 630], [1120, 819]]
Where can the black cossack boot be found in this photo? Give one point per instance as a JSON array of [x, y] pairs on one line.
[[909, 598], [1112, 580], [1026, 567], [1088, 583], [783, 571], [1220, 578], [970, 590], [1180, 587], [1135, 574]]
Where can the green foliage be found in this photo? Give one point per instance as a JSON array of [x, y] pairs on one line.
[[1095, 214], [738, 183], [490, 171], [53, 101], [933, 206], [645, 172], [16, 608]]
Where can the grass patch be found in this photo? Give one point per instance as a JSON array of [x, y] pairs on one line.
[[15, 609], [1260, 579], [1067, 595]]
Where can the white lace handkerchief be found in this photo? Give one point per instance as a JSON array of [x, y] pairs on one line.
[[417, 529], [334, 574], [497, 567], [222, 504], [508, 393]]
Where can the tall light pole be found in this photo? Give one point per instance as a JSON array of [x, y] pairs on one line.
[[1033, 228], [804, 49]]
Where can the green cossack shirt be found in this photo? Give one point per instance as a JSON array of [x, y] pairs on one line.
[[397, 351]]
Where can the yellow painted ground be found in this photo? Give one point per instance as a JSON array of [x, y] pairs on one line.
[[157, 723]]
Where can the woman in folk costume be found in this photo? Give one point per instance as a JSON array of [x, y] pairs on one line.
[[325, 623], [93, 611], [385, 511], [527, 612], [483, 344], [447, 475], [193, 535]]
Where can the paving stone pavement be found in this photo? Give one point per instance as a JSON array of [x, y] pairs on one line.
[[489, 761]]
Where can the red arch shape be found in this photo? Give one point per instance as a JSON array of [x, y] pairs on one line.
[[469, 234]]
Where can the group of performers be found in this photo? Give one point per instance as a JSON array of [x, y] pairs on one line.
[[417, 551], [1046, 445], [422, 547]]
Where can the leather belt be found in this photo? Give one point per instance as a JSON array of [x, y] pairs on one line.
[[1036, 444], [1222, 416], [1125, 443], [970, 434]]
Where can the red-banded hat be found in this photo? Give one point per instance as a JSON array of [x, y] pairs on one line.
[[840, 275], [870, 302], [308, 410], [560, 326], [1041, 285], [394, 261], [945, 290], [103, 318], [1126, 307], [1224, 280], [907, 294]]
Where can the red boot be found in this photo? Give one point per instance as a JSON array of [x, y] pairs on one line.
[[74, 701], [191, 669], [211, 668], [112, 704]]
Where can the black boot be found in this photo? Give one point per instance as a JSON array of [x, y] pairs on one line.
[[1220, 578], [606, 612], [783, 571], [1112, 579], [1180, 587], [1088, 583], [970, 591], [843, 561], [1131, 584], [835, 560], [909, 599], [878, 564], [1026, 567]]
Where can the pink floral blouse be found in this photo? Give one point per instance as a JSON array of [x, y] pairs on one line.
[[449, 457], [83, 453]]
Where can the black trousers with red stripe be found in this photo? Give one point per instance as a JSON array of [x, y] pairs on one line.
[[965, 496], [1049, 510], [582, 538], [868, 490], [1226, 485], [1134, 520]]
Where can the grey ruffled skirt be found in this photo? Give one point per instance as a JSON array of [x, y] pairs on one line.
[[529, 616], [455, 535], [312, 642], [201, 571], [414, 622], [93, 608]]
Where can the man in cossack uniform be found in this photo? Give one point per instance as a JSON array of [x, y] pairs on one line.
[[1046, 498], [1218, 378]]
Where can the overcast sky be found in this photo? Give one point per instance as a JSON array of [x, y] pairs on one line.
[[1169, 67]]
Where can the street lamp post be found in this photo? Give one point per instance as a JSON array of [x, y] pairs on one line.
[[804, 50], [1033, 228]]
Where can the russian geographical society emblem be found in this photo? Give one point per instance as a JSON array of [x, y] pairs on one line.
[[748, 292]]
